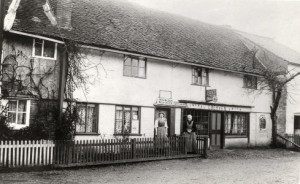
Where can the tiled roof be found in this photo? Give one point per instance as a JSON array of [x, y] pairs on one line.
[[128, 27], [276, 48]]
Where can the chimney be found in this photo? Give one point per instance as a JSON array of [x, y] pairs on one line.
[[64, 13]]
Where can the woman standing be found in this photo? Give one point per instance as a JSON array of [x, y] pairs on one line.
[[161, 129], [189, 132]]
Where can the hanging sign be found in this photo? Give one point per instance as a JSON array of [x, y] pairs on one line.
[[211, 95]]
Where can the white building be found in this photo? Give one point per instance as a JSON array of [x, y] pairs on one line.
[[150, 62]]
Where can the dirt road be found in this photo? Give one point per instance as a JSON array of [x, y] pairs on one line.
[[228, 166]]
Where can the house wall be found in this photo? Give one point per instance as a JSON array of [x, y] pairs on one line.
[[109, 87], [293, 100]]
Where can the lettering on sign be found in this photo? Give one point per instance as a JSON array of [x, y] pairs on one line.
[[218, 107], [168, 102], [211, 95]]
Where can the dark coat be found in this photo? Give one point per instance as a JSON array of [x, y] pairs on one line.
[[194, 129]]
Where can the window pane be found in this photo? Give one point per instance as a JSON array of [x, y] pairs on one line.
[[119, 115], [127, 108], [119, 108], [38, 47], [118, 126], [21, 118], [127, 119], [127, 70], [11, 117], [90, 124], [12, 106], [49, 48], [82, 115], [127, 62], [135, 71], [204, 80], [22, 106], [135, 62], [135, 115], [142, 72], [142, 63]]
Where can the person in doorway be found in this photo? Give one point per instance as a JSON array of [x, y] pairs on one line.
[[189, 132], [161, 129]]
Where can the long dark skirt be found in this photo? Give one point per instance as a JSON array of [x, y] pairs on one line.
[[190, 142]]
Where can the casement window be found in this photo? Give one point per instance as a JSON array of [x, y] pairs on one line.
[[200, 76], [44, 49], [250, 82], [134, 67], [236, 124], [262, 123], [18, 112], [127, 120], [88, 118]]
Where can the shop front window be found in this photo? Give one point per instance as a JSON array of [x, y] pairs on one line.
[[201, 118], [127, 120], [236, 124]]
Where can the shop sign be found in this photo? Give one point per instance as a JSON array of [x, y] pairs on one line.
[[218, 107], [168, 102], [211, 95]]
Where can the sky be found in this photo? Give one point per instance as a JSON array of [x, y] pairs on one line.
[[277, 19]]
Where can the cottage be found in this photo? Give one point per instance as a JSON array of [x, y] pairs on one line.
[[142, 63]]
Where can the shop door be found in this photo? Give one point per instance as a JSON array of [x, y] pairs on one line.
[[216, 129], [167, 116]]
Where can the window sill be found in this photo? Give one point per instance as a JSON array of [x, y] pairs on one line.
[[200, 85], [236, 136], [41, 57], [128, 135], [135, 77]]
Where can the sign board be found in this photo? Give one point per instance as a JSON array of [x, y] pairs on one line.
[[211, 95], [168, 102], [214, 107]]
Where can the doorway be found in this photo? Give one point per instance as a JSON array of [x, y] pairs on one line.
[[166, 112], [216, 129]]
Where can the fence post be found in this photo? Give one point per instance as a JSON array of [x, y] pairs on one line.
[[133, 148], [205, 147]]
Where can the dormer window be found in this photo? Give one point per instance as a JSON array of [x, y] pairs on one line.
[[44, 49]]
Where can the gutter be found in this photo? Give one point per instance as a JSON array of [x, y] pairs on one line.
[[133, 54]]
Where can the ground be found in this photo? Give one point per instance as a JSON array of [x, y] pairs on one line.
[[225, 166]]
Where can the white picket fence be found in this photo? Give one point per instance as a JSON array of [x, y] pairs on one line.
[[26, 153]]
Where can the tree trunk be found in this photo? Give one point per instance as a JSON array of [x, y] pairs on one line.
[[274, 130]]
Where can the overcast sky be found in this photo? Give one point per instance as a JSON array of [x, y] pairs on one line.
[[278, 19]]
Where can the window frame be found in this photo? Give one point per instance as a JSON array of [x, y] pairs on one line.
[[131, 113], [194, 69], [97, 118], [42, 51], [137, 58], [15, 125], [247, 120], [260, 123], [246, 78]]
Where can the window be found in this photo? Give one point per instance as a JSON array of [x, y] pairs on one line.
[[262, 123], [250, 82], [44, 49], [236, 124], [127, 120], [88, 119], [134, 67], [201, 118], [17, 111], [200, 76]]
